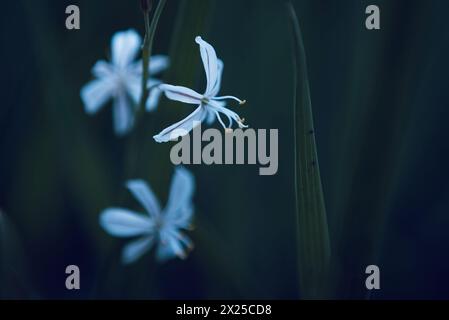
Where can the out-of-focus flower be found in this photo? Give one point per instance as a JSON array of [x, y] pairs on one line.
[[210, 105], [121, 80], [156, 226]]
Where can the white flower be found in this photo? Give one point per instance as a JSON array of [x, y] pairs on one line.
[[209, 105], [121, 80], [162, 226]]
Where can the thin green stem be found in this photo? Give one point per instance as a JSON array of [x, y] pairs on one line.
[[150, 30], [146, 53], [134, 147]]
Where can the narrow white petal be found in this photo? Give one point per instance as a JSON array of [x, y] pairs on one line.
[[124, 47], [136, 249], [123, 114], [102, 69], [134, 87], [143, 193], [182, 216], [210, 117], [96, 93], [211, 112], [182, 94], [217, 85], [182, 127], [153, 98], [158, 63], [176, 247], [125, 223], [210, 62], [164, 252], [181, 192], [172, 243]]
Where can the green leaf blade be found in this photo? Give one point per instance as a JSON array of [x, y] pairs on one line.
[[313, 233]]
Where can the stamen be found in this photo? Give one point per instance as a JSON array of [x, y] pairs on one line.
[[241, 124], [181, 254], [219, 119], [230, 97], [190, 246]]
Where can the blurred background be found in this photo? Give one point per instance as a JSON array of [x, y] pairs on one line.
[[380, 102]]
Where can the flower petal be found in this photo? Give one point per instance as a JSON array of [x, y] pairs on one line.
[[95, 94], [123, 114], [158, 63], [133, 251], [102, 69], [143, 193], [125, 223], [153, 98], [211, 112], [217, 85], [164, 252], [210, 62], [182, 94], [210, 117], [179, 207], [182, 216], [172, 244], [134, 87], [182, 127], [125, 45]]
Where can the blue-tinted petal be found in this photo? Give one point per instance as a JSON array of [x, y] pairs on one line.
[[133, 251], [169, 249], [124, 47], [102, 69], [217, 85], [179, 207], [125, 223], [210, 62], [95, 94], [143, 193], [134, 87], [182, 127], [158, 63], [210, 117], [164, 252], [182, 94], [154, 97], [123, 114]]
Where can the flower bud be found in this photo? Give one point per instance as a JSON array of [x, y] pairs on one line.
[[146, 6]]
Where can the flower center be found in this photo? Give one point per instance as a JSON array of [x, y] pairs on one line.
[[159, 223], [205, 100]]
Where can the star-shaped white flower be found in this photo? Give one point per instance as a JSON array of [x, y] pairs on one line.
[[121, 81], [161, 226], [209, 104]]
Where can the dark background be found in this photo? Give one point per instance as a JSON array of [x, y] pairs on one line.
[[380, 101]]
